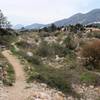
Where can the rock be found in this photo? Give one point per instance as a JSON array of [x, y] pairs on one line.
[[57, 58], [70, 98], [58, 97], [44, 96], [87, 92], [30, 54], [3, 94], [43, 92], [91, 86], [43, 85]]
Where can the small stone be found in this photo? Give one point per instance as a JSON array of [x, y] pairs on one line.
[[70, 98], [91, 86], [30, 54], [43, 85], [58, 97]]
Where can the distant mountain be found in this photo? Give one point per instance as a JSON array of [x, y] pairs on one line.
[[34, 26], [18, 26], [90, 17], [85, 19]]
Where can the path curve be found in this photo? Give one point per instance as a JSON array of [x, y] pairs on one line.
[[16, 92], [24, 91]]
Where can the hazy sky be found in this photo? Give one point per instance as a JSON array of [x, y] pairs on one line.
[[44, 11]]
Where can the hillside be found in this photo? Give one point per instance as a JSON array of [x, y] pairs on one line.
[[34, 26], [18, 26], [90, 17]]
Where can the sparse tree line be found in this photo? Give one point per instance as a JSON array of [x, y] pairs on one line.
[[72, 28]]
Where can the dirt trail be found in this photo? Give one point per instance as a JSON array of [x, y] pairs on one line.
[[24, 91], [16, 92]]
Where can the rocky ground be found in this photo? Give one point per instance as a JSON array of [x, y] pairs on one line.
[[3, 92], [87, 92], [35, 91], [40, 91]]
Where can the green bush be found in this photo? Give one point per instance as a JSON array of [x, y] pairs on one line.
[[34, 60], [58, 49], [96, 35], [52, 77], [69, 42], [10, 75], [48, 50], [9, 78], [23, 44], [7, 71], [43, 50], [89, 78]]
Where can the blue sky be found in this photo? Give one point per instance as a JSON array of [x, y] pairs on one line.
[[44, 11]]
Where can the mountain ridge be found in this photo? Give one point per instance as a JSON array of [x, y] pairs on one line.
[[83, 18], [90, 17]]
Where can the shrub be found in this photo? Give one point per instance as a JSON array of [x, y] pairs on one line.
[[53, 77], [69, 42], [7, 74], [96, 35], [91, 53], [48, 50], [43, 50], [58, 49], [90, 78], [76, 28], [23, 44], [50, 28], [44, 34], [32, 59], [10, 75]]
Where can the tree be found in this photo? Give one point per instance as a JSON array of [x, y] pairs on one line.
[[45, 29], [3, 21], [76, 28], [91, 53], [52, 28], [79, 27], [8, 24]]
